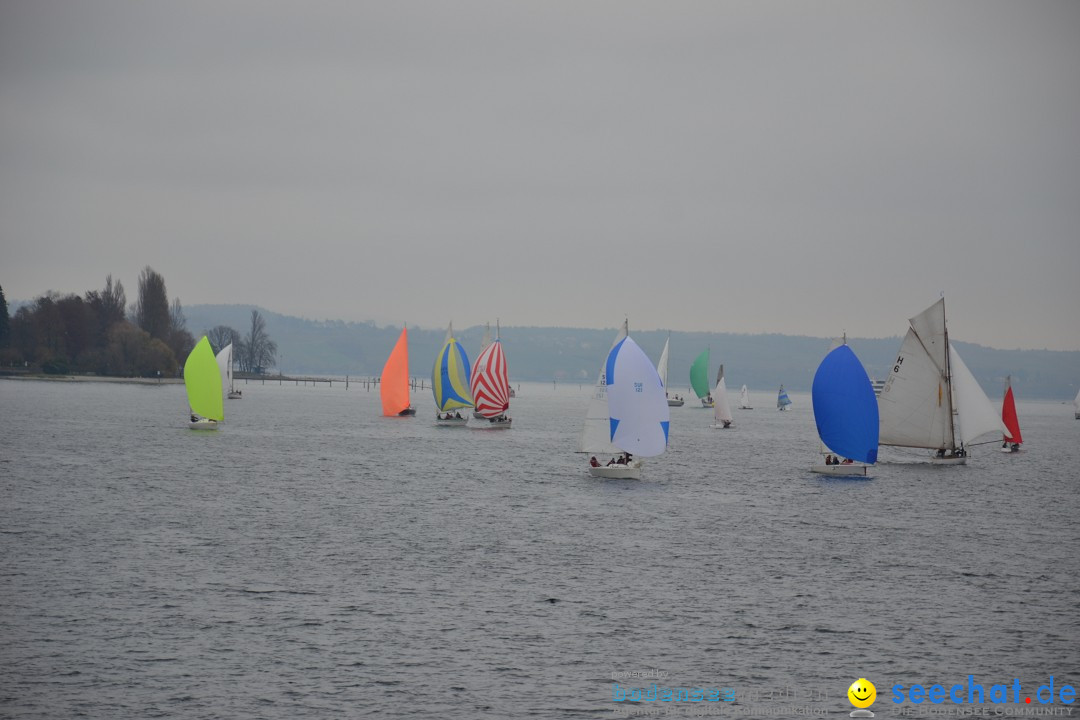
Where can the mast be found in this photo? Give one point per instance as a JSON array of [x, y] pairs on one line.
[[951, 411]]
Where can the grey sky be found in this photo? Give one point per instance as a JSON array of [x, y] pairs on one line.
[[801, 168]]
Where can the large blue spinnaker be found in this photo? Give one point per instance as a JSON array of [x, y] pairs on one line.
[[845, 408]]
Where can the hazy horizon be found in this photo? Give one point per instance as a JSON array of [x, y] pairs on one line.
[[743, 167]]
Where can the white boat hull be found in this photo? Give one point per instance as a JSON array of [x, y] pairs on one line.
[[676, 403], [452, 422], [705, 403], [618, 472], [1009, 450], [235, 395], [851, 469], [722, 426], [203, 424]]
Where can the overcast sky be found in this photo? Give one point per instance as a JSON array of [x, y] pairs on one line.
[[792, 167]]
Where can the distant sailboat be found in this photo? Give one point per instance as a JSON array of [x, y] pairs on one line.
[[450, 382], [491, 385], [1012, 442], [638, 411], [699, 378], [202, 378], [721, 407], [661, 369], [846, 413], [394, 384], [782, 399], [225, 362], [744, 399], [930, 399]]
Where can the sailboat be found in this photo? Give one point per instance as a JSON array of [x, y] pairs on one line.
[[450, 382], [1076, 406], [699, 378], [1012, 422], [596, 433], [782, 399], [491, 385], [484, 342], [394, 383], [744, 399], [202, 378], [930, 399], [225, 363], [638, 411], [661, 369], [721, 407], [846, 413]]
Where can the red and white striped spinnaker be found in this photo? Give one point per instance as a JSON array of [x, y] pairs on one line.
[[490, 382]]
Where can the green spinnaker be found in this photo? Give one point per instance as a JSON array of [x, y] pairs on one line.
[[202, 377], [699, 374]]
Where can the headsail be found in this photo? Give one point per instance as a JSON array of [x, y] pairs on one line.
[[450, 376], [845, 408], [202, 378], [975, 413], [744, 399], [699, 374], [639, 411], [596, 435], [394, 385]]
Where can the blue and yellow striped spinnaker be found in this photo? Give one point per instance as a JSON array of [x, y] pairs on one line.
[[450, 378]]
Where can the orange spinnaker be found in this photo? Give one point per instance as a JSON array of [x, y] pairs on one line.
[[394, 386]]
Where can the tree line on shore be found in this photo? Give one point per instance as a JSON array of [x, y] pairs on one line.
[[98, 333]]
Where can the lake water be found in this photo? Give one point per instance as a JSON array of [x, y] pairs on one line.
[[313, 559]]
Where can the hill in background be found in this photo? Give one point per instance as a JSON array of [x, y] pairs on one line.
[[337, 348]]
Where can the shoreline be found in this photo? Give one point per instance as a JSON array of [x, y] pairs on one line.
[[94, 378]]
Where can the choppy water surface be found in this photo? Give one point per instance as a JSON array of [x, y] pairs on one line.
[[312, 559]]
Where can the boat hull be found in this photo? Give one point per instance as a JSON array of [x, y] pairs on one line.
[[492, 424], [676, 403], [747, 407], [722, 426], [452, 422], [618, 472], [852, 469], [962, 460], [203, 425], [407, 412], [705, 403], [235, 395]]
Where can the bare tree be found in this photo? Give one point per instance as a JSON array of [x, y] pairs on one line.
[[221, 335], [257, 352]]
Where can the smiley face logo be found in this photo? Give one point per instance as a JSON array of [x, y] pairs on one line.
[[862, 693]]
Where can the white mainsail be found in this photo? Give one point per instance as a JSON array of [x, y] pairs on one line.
[[975, 413], [225, 363], [721, 408], [744, 399], [596, 435], [661, 367], [915, 408]]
